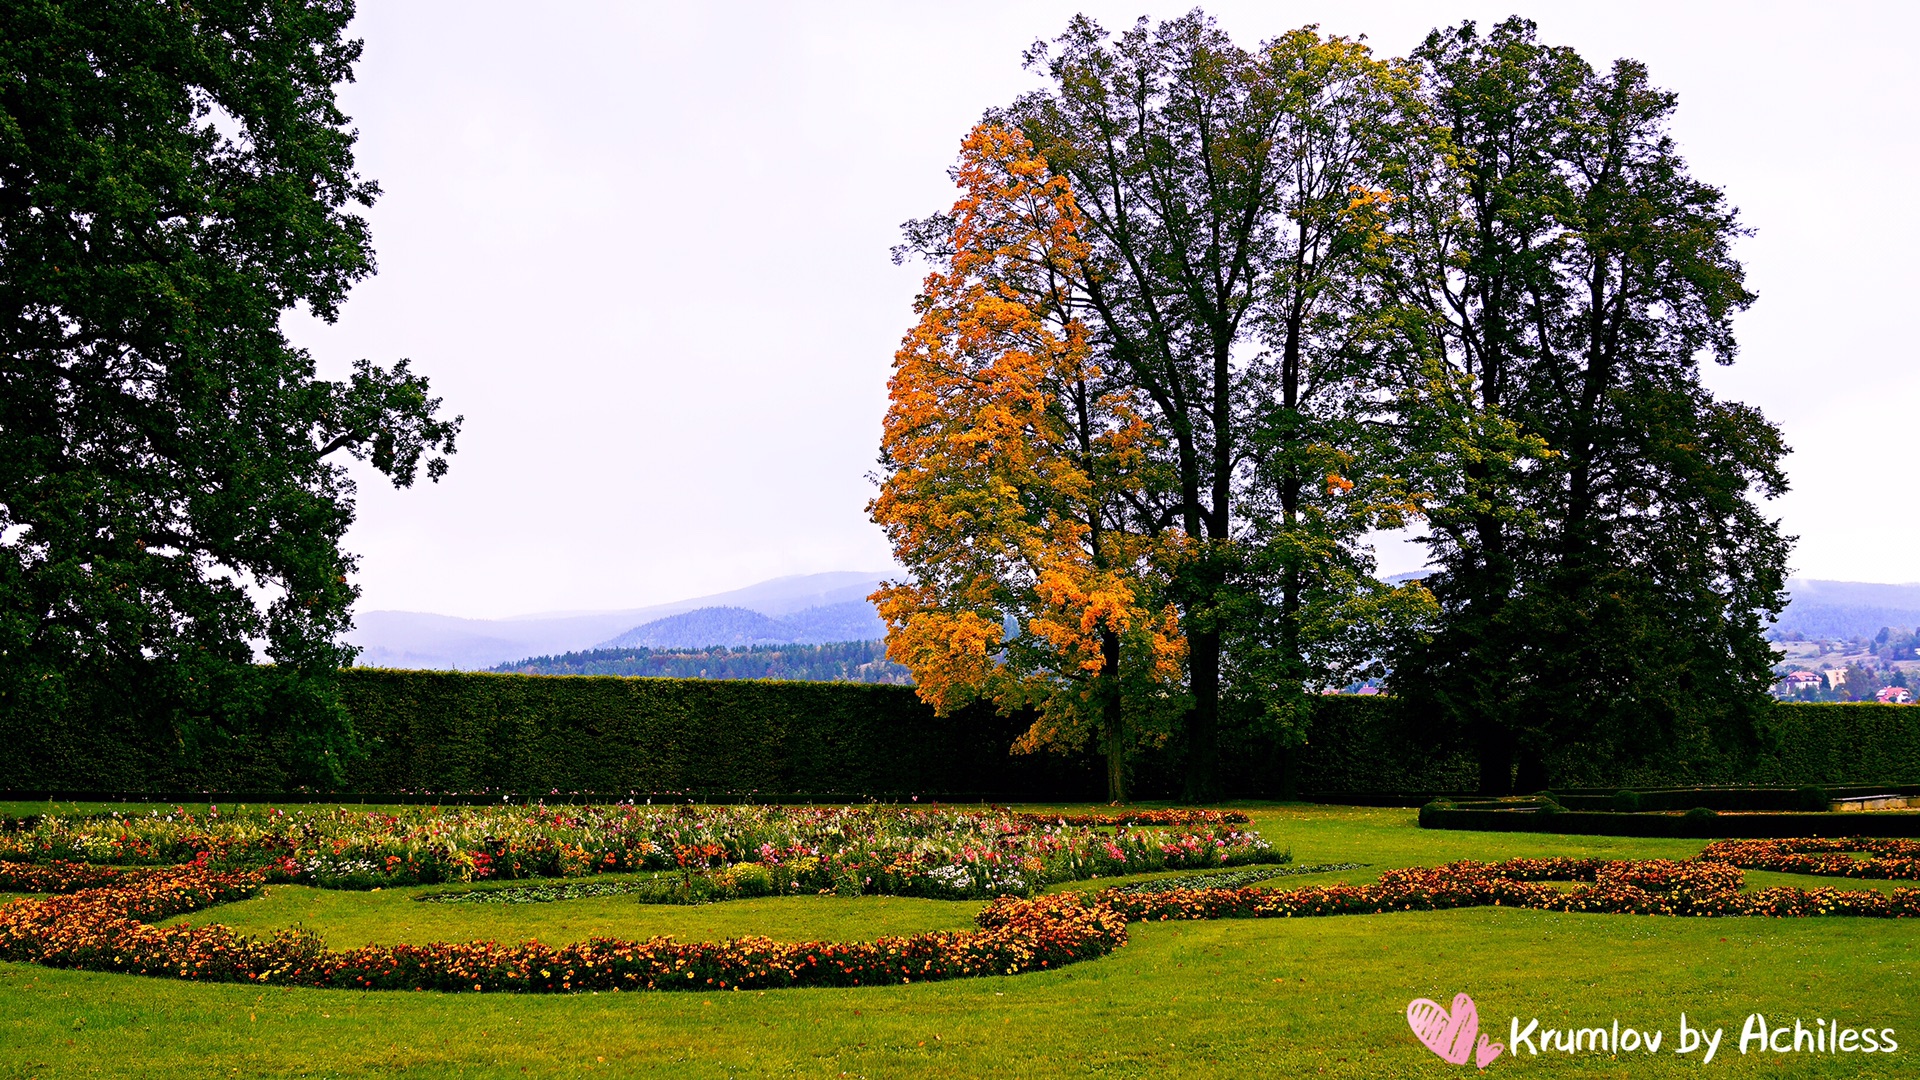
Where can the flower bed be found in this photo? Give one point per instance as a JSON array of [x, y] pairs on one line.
[[938, 853], [1625, 887], [1895, 860], [103, 929], [103, 926]]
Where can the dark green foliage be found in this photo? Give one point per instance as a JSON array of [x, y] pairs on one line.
[[1813, 798], [1217, 184], [1626, 801], [1352, 744], [528, 733], [173, 179], [846, 661], [1605, 597], [1377, 745], [1702, 812], [453, 732]]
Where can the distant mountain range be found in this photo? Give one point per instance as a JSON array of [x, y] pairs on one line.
[[813, 609], [411, 639], [852, 620]]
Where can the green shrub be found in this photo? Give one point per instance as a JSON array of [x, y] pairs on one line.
[[1701, 812], [1626, 801], [1813, 797]]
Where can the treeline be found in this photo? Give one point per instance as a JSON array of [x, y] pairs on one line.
[[843, 661], [1206, 316]]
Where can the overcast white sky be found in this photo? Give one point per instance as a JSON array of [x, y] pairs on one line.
[[643, 248]]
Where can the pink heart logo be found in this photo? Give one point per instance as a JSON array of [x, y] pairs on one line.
[[1451, 1034]]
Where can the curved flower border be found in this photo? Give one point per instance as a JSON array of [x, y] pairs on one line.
[[1897, 860], [100, 920]]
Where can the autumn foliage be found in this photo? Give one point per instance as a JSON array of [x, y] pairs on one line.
[[1009, 456]]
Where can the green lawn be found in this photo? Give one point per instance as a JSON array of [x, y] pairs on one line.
[[1305, 997]]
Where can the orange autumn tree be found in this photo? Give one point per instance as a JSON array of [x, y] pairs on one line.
[[1008, 462]]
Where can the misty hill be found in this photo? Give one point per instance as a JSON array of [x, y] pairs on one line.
[[1846, 609], [847, 661], [412, 639], [854, 620]]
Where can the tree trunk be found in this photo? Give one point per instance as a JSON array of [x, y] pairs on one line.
[[1113, 731], [1290, 772], [1203, 722], [1531, 775], [1496, 761]]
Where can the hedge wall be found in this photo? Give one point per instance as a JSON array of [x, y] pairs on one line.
[[602, 733], [1799, 743], [467, 731], [452, 731]]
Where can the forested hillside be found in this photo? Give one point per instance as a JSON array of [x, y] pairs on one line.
[[846, 661], [1845, 610]]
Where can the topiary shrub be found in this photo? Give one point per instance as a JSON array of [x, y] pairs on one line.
[[1701, 812], [1626, 802], [1812, 797]]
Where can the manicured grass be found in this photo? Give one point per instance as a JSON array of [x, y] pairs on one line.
[[1302, 997]]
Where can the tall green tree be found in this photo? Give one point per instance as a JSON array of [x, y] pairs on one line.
[[1321, 468], [1216, 185], [173, 179], [1555, 269]]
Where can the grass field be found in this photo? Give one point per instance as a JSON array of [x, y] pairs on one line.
[[1301, 997]]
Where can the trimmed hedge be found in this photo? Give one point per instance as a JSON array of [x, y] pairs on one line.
[[1734, 799], [534, 733], [1689, 826], [1366, 747], [448, 732], [1359, 744], [452, 732]]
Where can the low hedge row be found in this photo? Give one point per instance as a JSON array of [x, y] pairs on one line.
[[1688, 826], [445, 732], [1736, 799]]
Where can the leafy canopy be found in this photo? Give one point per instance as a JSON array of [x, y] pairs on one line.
[[173, 179], [1010, 464]]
